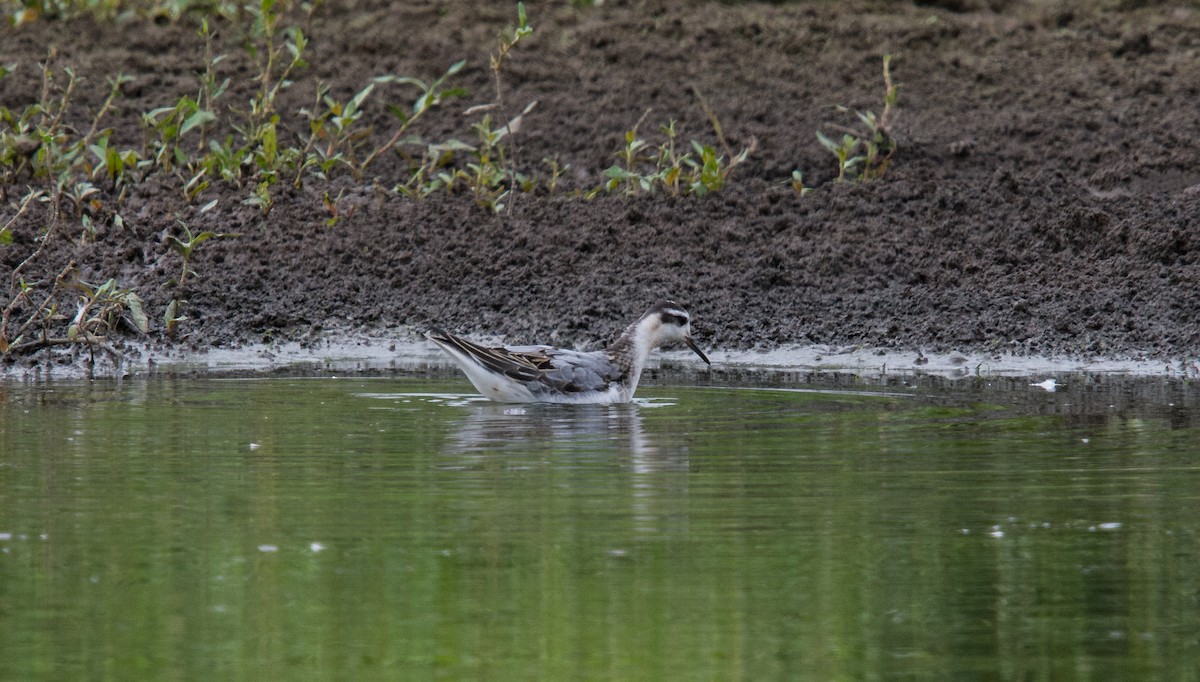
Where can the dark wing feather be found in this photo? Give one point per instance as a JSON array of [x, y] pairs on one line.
[[518, 366]]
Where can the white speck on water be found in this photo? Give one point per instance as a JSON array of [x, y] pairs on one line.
[[316, 547], [1049, 385], [1112, 525], [618, 553], [1085, 441], [5, 536], [255, 446], [965, 531], [996, 532], [268, 548]]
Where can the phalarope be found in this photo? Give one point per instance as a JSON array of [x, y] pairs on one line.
[[528, 374]]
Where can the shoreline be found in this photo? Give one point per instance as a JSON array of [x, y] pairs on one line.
[[374, 355]]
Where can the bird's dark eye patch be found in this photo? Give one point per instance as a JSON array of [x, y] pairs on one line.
[[673, 318]]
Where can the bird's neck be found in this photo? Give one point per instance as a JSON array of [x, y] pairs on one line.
[[631, 350]]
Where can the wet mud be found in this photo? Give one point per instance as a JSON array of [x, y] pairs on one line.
[[1044, 199]]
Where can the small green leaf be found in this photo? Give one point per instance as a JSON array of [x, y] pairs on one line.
[[398, 113], [136, 313], [199, 118], [356, 103], [826, 142], [617, 173]]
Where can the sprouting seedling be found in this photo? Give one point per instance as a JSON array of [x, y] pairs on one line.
[[797, 183], [496, 168], [696, 172], [334, 133], [332, 205], [714, 170], [843, 149], [556, 172], [507, 43], [210, 89], [432, 94], [632, 155], [271, 59], [875, 149], [102, 307], [187, 248], [882, 145]]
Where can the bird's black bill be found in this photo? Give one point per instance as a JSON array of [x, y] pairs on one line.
[[696, 349]]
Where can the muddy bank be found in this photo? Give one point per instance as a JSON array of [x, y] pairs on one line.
[[1044, 201]]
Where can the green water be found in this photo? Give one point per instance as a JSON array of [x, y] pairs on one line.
[[393, 529]]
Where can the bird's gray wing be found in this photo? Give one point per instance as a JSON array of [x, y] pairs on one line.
[[541, 367], [574, 372]]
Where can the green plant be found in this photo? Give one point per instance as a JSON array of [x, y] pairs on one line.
[[493, 174], [872, 149], [261, 132], [101, 308], [164, 128], [432, 94], [334, 136], [254, 154], [487, 168], [798, 183], [332, 205], [843, 150], [435, 171], [36, 142], [210, 89], [106, 10], [696, 172], [186, 248], [268, 48], [490, 175], [556, 172], [507, 41]]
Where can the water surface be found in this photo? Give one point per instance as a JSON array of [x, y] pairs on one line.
[[400, 528]]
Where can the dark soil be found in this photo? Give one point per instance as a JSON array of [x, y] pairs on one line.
[[1045, 198]]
